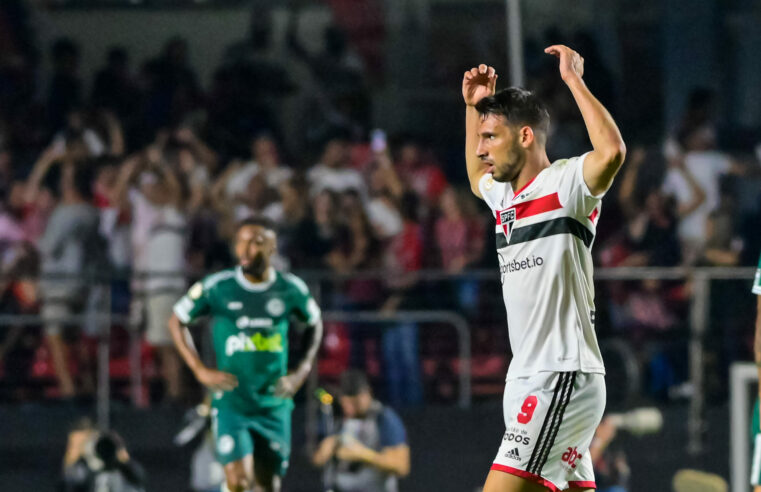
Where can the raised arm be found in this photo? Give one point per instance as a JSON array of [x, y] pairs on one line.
[[609, 151], [477, 83]]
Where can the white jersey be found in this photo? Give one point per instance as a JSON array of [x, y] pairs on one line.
[[544, 240]]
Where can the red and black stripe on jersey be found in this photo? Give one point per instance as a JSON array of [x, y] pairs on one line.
[[559, 225]]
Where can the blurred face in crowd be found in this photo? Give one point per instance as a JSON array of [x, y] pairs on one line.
[[449, 204], [499, 147], [291, 200], [336, 153], [153, 188], [254, 245], [256, 192], [356, 406], [264, 151], [323, 207], [106, 178], [409, 153]]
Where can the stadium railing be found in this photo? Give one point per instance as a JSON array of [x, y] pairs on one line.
[[700, 293]]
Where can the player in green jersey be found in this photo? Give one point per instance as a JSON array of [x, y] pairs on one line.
[[251, 307], [755, 473]]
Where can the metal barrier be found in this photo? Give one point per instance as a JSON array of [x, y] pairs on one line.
[[700, 279], [377, 318]]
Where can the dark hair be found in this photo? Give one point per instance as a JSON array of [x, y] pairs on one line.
[[82, 181], [519, 107], [260, 221], [107, 449], [353, 382]]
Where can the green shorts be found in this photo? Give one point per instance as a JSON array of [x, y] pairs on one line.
[[266, 434], [755, 434]]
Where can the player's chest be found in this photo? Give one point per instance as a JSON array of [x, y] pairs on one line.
[[256, 310]]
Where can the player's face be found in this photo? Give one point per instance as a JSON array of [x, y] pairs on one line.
[[498, 147], [254, 246]]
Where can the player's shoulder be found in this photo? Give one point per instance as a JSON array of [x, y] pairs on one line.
[[215, 279], [293, 281], [566, 163]]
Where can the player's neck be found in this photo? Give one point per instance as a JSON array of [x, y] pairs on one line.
[[257, 279], [535, 163]]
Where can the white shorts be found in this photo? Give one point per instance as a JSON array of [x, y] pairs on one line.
[[158, 310], [550, 419]]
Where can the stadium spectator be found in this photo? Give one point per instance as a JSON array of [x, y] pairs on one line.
[[71, 251], [400, 342], [338, 97], [99, 462], [65, 91], [152, 193], [460, 238], [265, 160], [332, 172], [369, 450], [299, 237], [114, 87], [420, 171]]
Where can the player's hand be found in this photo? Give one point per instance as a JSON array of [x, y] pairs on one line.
[[571, 63], [216, 380], [287, 386], [478, 83]]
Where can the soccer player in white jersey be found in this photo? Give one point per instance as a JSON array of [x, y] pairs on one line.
[[545, 217]]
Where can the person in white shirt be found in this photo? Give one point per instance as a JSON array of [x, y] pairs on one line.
[[333, 173], [546, 215]]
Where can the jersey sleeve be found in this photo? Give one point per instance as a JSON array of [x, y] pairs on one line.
[[194, 304], [757, 280], [492, 191], [391, 429], [573, 190], [305, 308]]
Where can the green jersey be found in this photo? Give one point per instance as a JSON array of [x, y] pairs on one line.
[[250, 330]]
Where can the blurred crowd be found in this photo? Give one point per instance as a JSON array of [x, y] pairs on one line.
[[142, 173]]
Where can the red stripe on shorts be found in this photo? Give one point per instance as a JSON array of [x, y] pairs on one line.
[[587, 485], [528, 476]]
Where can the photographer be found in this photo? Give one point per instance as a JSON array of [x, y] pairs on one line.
[[99, 462], [369, 451]]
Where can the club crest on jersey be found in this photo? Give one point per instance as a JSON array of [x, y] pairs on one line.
[[506, 220], [275, 307]]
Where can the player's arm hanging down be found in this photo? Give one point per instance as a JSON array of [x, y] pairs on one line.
[[211, 378], [288, 385], [477, 83], [602, 164]]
